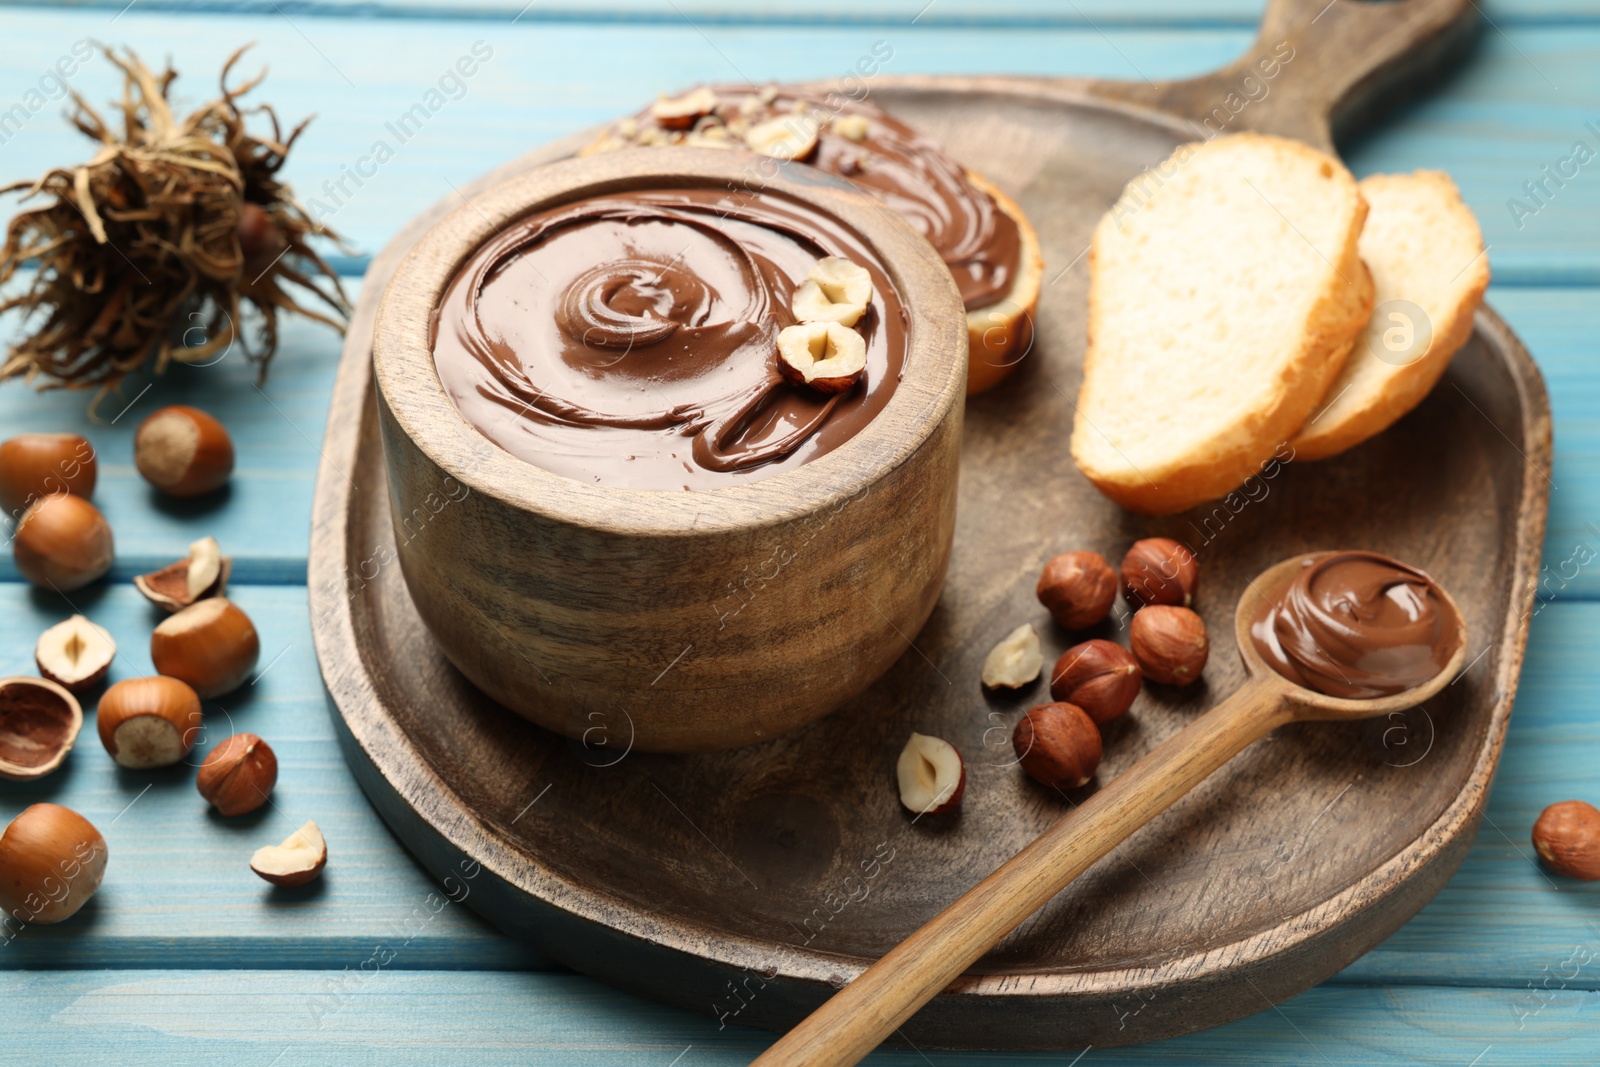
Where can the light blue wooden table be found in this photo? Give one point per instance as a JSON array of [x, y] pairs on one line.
[[185, 958]]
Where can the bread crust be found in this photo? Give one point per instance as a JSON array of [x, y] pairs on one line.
[[1000, 335], [1335, 321], [1406, 387]]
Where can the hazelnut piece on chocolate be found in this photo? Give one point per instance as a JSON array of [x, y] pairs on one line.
[[1159, 570], [681, 112], [1099, 676], [852, 127], [787, 137], [1058, 745], [203, 574], [835, 290], [1078, 589], [39, 722], [1170, 644], [75, 654], [828, 357]]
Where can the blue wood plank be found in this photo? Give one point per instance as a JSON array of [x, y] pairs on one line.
[[309, 1019], [179, 891]]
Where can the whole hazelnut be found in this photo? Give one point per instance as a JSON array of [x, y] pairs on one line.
[[1159, 570], [63, 542], [1170, 643], [1077, 588], [149, 722], [238, 775], [1099, 676], [183, 451], [212, 645], [1058, 745], [37, 465], [51, 863], [1567, 838]]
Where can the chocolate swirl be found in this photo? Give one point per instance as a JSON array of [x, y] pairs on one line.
[[908, 171], [630, 340], [1357, 624]]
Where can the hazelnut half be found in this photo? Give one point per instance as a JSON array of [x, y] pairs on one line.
[[1077, 588], [51, 863], [931, 776], [39, 722], [1567, 838], [835, 290], [36, 465], [1058, 745], [1099, 676], [681, 112], [63, 542], [177, 585], [1170, 643], [149, 722], [1159, 570], [211, 645], [1015, 661], [828, 357], [238, 775], [183, 451], [298, 860], [75, 654]]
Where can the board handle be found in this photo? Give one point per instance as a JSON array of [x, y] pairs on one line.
[[1315, 67], [857, 1018]]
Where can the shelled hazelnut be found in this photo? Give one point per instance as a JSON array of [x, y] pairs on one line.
[[1159, 570], [931, 775], [1058, 745], [75, 654], [149, 722], [1170, 643], [39, 723], [297, 861], [1015, 661], [1099, 676], [238, 775], [204, 573], [36, 465], [1567, 838], [51, 862], [211, 645], [63, 542], [1078, 589], [183, 451]]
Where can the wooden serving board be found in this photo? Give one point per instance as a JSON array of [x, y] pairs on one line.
[[747, 885]]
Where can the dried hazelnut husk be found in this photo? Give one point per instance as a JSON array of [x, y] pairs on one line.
[[1567, 838], [1170, 643], [1099, 676], [1077, 588], [204, 573], [39, 722], [1058, 745], [75, 654], [1159, 570], [238, 775]]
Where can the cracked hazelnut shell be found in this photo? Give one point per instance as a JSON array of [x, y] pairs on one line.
[[39, 723], [203, 573]]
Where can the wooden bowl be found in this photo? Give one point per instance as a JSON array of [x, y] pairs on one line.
[[672, 621]]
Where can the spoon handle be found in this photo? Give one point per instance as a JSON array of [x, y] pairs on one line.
[[870, 1008]]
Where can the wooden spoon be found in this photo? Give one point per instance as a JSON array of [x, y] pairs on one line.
[[863, 1013]]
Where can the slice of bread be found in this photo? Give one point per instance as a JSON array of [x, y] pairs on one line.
[[1427, 259], [1225, 293], [1000, 335]]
